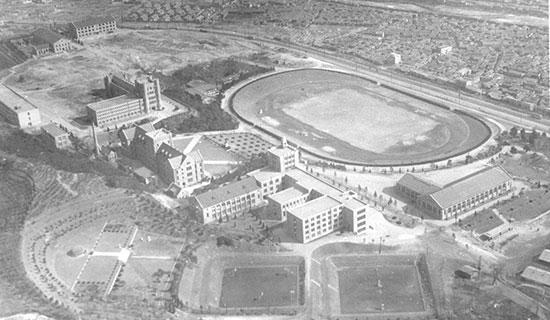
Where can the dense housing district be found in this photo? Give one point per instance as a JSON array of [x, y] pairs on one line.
[[283, 159]]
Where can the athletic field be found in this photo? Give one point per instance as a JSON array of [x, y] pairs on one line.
[[262, 286], [343, 116]]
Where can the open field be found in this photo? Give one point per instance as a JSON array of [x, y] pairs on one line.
[[259, 286], [65, 83], [377, 285], [398, 289], [346, 117], [481, 222], [247, 283], [528, 206]]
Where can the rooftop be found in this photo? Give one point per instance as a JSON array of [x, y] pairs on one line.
[[107, 103], [286, 195], [545, 256], [536, 275], [314, 207], [14, 101], [46, 36], [310, 182], [420, 185], [264, 175], [227, 192], [53, 130], [351, 202], [470, 185]]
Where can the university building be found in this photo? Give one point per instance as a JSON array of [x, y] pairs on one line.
[[457, 197], [228, 201], [92, 26], [55, 137], [17, 110], [128, 100], [169, 157], [309, 207]]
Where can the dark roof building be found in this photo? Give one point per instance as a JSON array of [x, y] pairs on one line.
[[45, 41]]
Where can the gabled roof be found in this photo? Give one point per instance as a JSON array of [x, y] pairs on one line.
[[53, 130], [227, 192], [286, 195], [468, 186], [92, 21], [422, 186], [48, 36]]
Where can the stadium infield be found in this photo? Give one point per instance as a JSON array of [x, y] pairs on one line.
[[349, 119]]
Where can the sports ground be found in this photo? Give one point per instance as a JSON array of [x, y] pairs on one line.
[[261, 286], [243, 284], [349, 118], [388, 285]]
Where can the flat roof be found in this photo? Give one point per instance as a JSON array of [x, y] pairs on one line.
[[14, 101], [107, 103], [352, 203], [227, 192], [310, 182], [536, 275], [264, 175], [313, 207], [545, 256], [286, 195], [53, 130]]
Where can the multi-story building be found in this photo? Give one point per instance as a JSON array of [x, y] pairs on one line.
[[115, 110], [147, 141], [354, 212], [183, 170], [314, 219], [459, 196], [282, 158], [92, 26], [46, 41], [146, 88], [279, 203], [228, 201], [127, 100], [17, 110], [55, 137], [270, 181], [176, 162]]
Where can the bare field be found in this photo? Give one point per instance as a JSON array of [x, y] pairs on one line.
[[64, 83]]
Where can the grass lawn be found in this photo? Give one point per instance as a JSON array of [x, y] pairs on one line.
[[399, 289], [263, 286], [528, 206], [481, 222]]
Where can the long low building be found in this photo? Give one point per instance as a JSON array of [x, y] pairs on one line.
[[17, 110], [457, 197]]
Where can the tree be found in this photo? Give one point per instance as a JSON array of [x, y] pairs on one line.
[[514, 132]]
